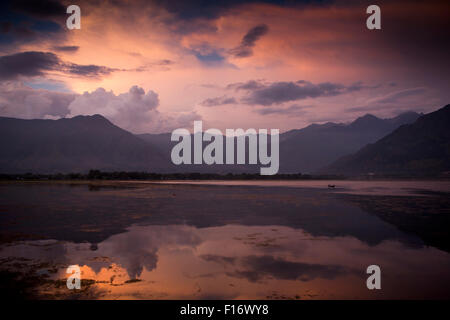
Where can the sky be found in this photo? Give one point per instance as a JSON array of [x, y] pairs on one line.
[[154, 66]]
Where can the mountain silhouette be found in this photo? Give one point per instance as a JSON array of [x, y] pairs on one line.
[[420, 148], [72, 145], [307, 150], [304, 150], [82, 143]]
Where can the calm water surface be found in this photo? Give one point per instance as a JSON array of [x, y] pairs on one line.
[[376, 187], [146, 241]]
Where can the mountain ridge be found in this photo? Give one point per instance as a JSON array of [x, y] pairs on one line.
[[71, 145], [82, 143], [420, 148]]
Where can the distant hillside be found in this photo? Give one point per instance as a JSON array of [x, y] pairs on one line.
[[421, 148], [162, 142], [92, 142], [72, 145], [311, 148], [304, 150]]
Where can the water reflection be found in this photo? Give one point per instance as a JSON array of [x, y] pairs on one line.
[[153, 241], [361, 187], [233, 261], [76, 213]]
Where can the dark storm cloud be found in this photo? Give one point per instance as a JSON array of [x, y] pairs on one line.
[[87, 70], [420, 34], [25, 22], [249, 40], [13, 34], [29, 64], [41, 8], [280, 92], [35, 63], [260, 92], [219, 101], [5, 26], [192, 9], [187, 10], [66, 48]]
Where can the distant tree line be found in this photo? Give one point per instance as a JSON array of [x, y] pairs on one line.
[[124, 175]]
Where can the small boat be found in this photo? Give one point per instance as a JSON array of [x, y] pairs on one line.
[[331, 186]]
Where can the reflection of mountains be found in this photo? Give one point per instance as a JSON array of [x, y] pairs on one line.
[[56, 212]]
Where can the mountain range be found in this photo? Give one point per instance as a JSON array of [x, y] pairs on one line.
[[309, 149], [72, 145], [92, 142], [420, 148], [305, 150]]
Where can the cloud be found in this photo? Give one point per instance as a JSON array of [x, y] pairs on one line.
[[134, 110], [210, 58], [280, 92], [260, 92], [5, 26], [14, 34], [20, 101], [28, 22], [36, 63], [66, 48], [41, 8], [396, 96], [249, 85], [27, 64], [87, 70], [162, 64], [406, 99], [207, 54], [294, 110], [200, 9], [219, 101], [245, 49]]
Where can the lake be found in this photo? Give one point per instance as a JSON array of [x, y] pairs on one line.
[[225, 239]]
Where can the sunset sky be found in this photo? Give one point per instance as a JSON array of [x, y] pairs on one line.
[[153, 66]]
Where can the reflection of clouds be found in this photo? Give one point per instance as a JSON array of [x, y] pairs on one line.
[[255, 268], [235, 261], [219, 259], [133, 250], [279, 268], [136, 263], [137, 249]]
